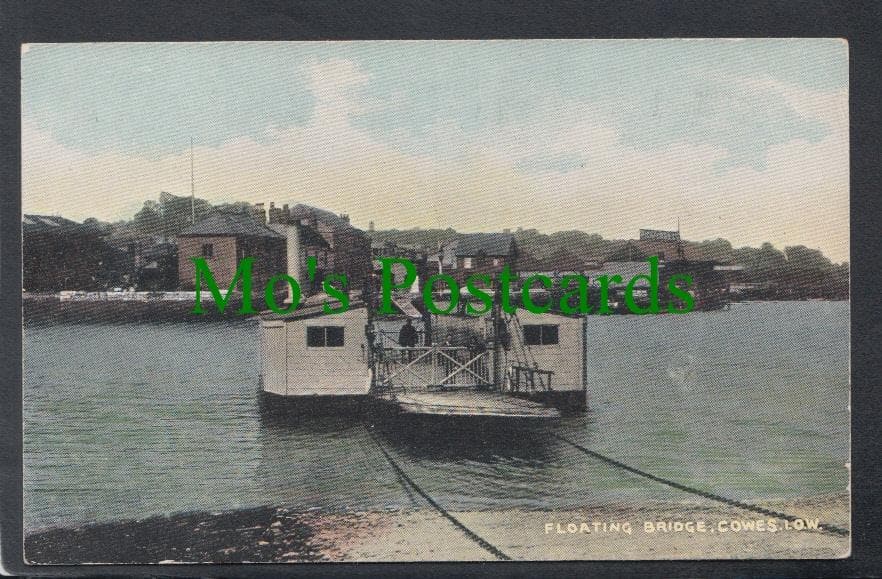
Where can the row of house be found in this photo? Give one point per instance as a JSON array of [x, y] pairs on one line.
[[280, 240], [490, 252], [62, 255]]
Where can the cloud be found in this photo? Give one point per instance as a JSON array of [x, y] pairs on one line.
[[335, 85], [483, 182]]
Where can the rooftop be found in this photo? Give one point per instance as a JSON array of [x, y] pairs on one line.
[[624, 269], [329, 218], [308, 236], [668, 249], [487, 243], [230, 224], [51, 224]]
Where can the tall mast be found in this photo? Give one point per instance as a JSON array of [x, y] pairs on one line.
[[680, 253], [497, 339], [192, 187]]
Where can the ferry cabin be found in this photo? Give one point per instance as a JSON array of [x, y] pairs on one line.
[[542, 355], [310, 353], [335, 356]]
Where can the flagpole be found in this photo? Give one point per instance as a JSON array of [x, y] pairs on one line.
[[192, 187]]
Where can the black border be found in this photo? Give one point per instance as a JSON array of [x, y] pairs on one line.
[[858, 21]]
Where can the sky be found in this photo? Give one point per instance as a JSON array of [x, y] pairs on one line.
[[741, 139]]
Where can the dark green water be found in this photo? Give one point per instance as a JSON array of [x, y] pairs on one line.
[[125, 421]]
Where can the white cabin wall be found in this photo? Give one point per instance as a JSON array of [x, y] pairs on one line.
[[273, 356], [328, 371], [565, 357]]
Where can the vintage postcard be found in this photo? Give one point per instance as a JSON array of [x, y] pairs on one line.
[[292, 302]]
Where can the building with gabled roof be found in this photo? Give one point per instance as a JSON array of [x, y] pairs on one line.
[[485, 253], [61, 254], [349, 248], [236, 224], [304, 242], [223, 240], [443, 258], [318, 216], [626, 270], [45, 223], [490, 244]]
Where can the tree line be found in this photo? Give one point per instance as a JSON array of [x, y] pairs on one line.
[[792, 272]]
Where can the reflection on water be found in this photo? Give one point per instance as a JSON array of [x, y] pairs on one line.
[[125, 421], [454, 440]]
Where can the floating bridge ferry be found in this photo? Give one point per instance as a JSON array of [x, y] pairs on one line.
[[517, 366]]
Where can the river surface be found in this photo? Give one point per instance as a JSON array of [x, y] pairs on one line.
[[125, 421]]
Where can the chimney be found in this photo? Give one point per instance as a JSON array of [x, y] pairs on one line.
[[344, 217], [275, 214], [292, 247], [506, 230], [260, 212]]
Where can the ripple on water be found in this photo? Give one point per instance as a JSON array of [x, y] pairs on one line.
[[125, 421]]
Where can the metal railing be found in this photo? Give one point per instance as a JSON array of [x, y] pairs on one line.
[[389, 339], [529, 380], [422, 368]]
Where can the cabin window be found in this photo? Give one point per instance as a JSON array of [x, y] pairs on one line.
[[334, 336], [540, 334], [467, 263], [207, 250], [324, 336]]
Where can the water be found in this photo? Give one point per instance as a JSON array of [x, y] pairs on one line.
[[126, 421]]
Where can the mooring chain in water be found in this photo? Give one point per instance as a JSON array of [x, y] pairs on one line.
[[832, 529], [468, 532], [401, 482]]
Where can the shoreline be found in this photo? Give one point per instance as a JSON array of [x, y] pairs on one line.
[[49, 309], [54, 311], [596, 532]]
